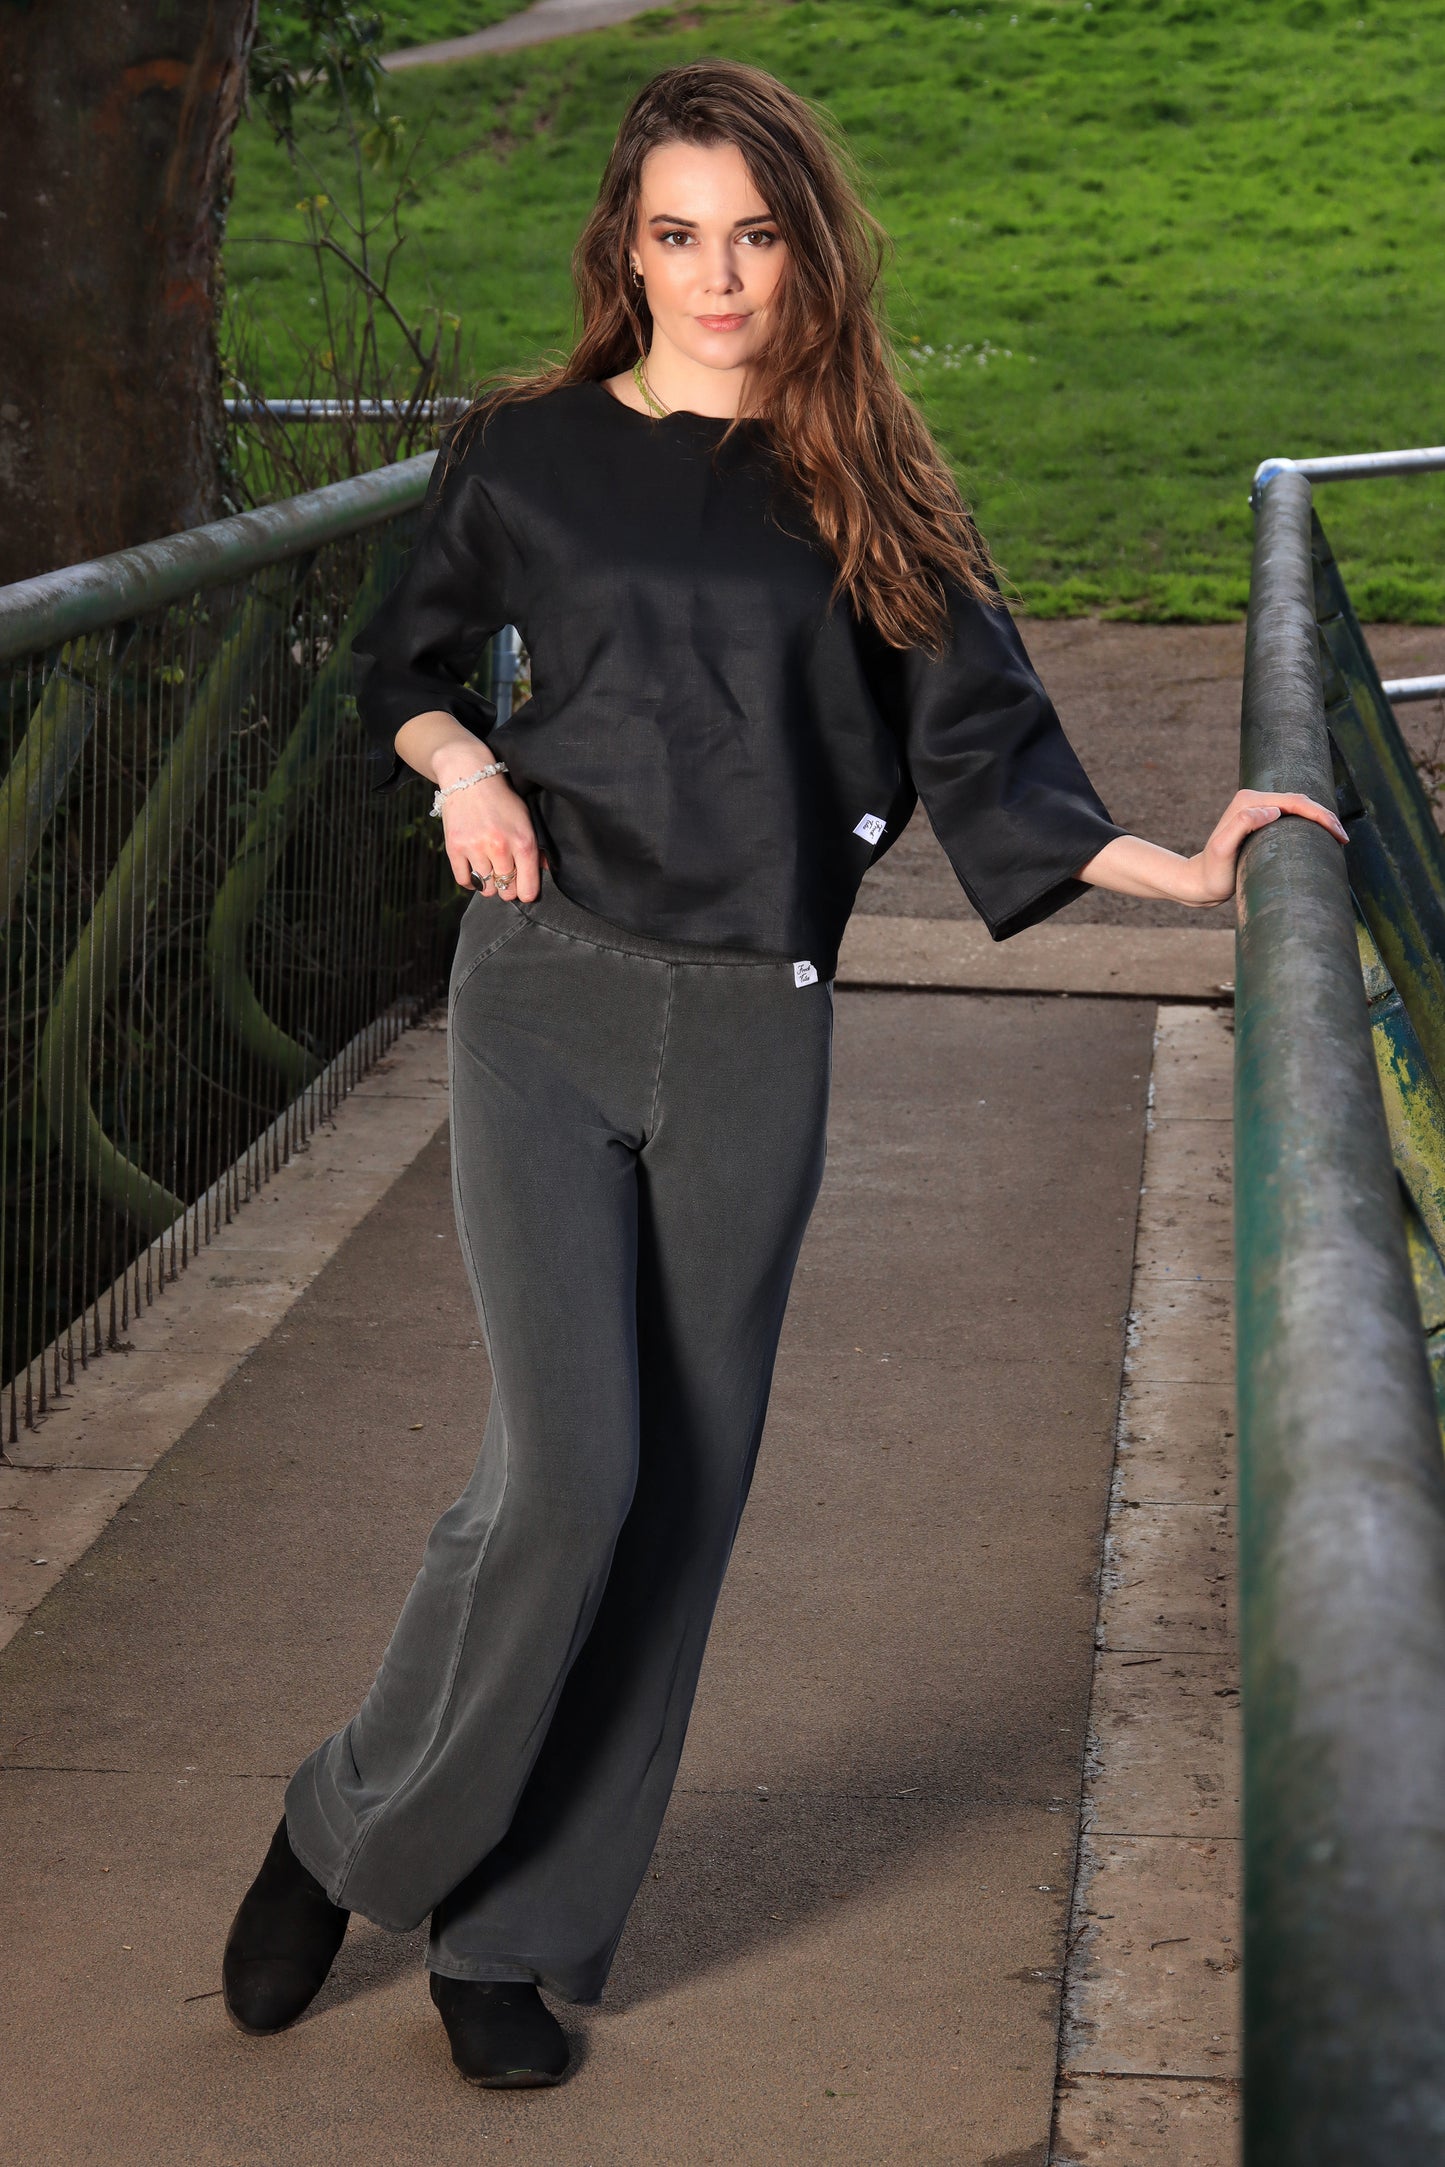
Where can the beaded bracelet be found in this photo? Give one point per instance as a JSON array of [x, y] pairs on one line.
[[498, 767]]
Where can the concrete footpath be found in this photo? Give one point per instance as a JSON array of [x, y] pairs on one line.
[[849, 1946]]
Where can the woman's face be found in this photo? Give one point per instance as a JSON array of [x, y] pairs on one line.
[[710, 253]]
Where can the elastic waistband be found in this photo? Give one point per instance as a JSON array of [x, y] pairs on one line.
[[561, 915]]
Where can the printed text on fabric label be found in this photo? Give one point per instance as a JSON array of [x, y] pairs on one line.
[[804, 975], [870, 827]]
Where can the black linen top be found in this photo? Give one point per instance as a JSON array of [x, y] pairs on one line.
[[713, 751]]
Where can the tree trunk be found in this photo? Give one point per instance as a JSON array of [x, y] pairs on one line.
[[113, 190]]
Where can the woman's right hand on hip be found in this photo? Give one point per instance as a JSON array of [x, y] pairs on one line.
[[490, 841]]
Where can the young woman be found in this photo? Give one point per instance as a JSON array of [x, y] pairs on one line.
[[760, 621]]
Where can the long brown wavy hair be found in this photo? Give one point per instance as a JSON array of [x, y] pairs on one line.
[[850, 443]]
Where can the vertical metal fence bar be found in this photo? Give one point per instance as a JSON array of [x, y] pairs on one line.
[[222, 1053], [9, 1287], [257, 1159], [51, 903], [15, 976], [147, 737], [30, 946], [111, 644], [319, 850], [118, 1034], [68, 900], [209, 856], [174, 1007], [97, 1023], [122, 1031], [97, 858], [231, 1060], [1342, 1483]]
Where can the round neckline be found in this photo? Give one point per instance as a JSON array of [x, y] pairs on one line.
[[675, 413]]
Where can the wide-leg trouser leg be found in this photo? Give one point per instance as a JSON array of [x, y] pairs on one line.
[[637, 1144], [727, 1180]]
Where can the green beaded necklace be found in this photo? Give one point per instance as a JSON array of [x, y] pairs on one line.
[[646, 393]]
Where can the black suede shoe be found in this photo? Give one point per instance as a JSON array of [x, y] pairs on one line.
[[282, 1942], [503, 2035]]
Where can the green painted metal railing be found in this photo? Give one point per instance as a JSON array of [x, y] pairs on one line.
[[213, 922], [1340, 1235]]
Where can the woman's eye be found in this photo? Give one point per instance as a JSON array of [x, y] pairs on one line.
[[760, 237], [679, 234]]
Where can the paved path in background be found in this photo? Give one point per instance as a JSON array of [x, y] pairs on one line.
[[849, 1946], [533, 26]]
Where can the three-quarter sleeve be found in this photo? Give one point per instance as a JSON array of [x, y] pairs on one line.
[[1003, 788], [414, 656]]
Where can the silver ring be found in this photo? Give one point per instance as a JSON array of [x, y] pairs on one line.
[[503, 880]]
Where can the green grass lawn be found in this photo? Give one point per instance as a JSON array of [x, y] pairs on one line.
[[1140, 245]]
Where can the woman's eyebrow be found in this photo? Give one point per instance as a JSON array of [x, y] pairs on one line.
[[666, 218]]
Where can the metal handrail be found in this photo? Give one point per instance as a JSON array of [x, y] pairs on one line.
[[249, 408], [43, 612], [1342, 1484], [1403, 689], [1361, 466], [1352, 466]]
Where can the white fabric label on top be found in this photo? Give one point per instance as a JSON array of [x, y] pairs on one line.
[[804, 975], [870, 827]]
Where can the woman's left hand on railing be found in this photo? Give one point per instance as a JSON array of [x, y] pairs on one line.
[[1131, 866]]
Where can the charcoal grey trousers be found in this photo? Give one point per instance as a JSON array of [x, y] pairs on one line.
[[637, 1142]]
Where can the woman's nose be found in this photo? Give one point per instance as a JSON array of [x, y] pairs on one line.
[[723, 275]]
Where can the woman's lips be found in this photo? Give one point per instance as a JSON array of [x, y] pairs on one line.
[[722, 323]]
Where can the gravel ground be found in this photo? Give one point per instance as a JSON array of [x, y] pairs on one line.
[[1154, 713]]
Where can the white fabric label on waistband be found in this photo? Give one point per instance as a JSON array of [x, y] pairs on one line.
[[870, 827], [804, 975]]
